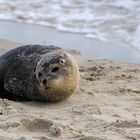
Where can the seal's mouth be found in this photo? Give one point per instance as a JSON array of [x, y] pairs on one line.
[[46, 87]]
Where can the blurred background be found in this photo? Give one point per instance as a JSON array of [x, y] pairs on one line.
[[106, 29]]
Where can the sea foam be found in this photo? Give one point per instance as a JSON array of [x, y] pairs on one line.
[[114, 21]]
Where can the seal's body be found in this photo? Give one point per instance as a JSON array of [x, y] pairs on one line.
[[34, 72]]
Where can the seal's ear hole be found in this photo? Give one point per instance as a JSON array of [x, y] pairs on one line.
[[39, 74], [55, 69]]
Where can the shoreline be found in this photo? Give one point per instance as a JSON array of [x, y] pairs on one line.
[[91, 48]]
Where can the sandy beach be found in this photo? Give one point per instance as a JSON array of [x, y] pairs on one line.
[[105, 107]]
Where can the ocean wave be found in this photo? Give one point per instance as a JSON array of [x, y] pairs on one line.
[[114, 21]]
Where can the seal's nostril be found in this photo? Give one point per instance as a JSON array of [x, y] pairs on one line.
[[44, 81]]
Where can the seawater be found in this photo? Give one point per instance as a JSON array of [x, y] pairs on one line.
[[116, 21]]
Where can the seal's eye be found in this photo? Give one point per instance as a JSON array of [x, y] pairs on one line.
[[55, 69], [62, 61], [39, 74]]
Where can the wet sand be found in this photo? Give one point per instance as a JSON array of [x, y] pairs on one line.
[[105, 107], [33, 34]]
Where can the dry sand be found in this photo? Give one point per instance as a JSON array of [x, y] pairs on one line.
[[106, 107]]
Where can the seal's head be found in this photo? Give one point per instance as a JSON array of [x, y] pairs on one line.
[[57, 75]]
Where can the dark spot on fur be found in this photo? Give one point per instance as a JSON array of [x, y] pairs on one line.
[[39, 74]]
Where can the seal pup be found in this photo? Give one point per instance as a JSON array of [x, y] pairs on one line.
[[38, 72]]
